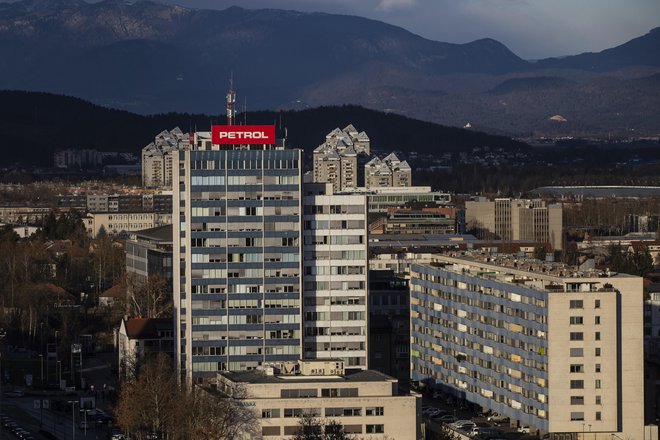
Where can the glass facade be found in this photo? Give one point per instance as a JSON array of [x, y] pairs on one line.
[[239, 251]]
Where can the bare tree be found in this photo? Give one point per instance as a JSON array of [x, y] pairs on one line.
[[311, 427], [218, 417]]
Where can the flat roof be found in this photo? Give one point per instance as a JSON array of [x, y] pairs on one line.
[[260, 377]]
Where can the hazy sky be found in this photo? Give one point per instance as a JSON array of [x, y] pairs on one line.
[[530, 28]]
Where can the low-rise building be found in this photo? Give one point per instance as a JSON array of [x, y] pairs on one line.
[[114, 223], [149, 252], [140, 338], [419, 221], [367, 403]]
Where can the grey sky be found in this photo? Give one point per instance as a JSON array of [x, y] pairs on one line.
[[530, 28]]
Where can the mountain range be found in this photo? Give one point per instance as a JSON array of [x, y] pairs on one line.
[[148, 58], [42, 123]]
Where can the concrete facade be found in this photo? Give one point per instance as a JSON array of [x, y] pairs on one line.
[[544, 344], [335, 276], [366, 403], [515, 219]]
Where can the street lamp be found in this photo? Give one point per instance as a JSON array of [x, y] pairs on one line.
[[73, 418]]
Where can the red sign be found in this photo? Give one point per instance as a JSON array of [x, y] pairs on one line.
[[243, 134]]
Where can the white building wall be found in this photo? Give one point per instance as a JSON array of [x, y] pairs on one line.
[[335, 288]]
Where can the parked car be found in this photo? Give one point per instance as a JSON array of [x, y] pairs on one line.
[[525, 429], [447, 418], [463, 424]]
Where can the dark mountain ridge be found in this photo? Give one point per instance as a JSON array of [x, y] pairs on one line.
[[42, 123]]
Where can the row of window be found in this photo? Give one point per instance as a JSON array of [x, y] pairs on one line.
[[579, 320], [579, 384], [579, 336], [268, 431], [579, 304]]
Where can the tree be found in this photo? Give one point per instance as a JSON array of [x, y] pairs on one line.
[[444, 434], [151, 298], [154, 402], [214, 417], [312, 428], [151, 403]]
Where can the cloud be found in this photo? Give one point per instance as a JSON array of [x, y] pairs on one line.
[[388, 5]]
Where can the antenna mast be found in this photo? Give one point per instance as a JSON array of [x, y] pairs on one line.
[[231, 101]]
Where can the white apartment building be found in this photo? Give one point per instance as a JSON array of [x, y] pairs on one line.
[[366, 402], [387, 172], [157, 157], [550, 346], [335, 279], [336, 160], [517, 219]]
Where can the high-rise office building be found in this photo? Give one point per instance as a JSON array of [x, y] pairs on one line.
[[549, 346], [237, 257], [335, 275]]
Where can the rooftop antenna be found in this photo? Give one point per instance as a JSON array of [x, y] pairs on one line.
[[231, 101]]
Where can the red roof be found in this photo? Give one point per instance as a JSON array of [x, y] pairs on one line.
[[147, 328]]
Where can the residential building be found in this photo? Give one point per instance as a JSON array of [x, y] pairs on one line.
[[149, 252], [335, 275], [547, 345], [81, 159], [339, 159], [237, 257], [140, 338], [157, 157], [516, 219], [367, 403], [116, 222], [387, 172]]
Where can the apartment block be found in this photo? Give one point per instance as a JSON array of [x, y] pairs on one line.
[[157, 157], [339, 158], [367, 403], [335, 275], [237, 257], [387, 172], [516, 219], [548, 345], [416, 221]]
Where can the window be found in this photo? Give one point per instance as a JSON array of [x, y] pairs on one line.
[[598, 336], [597, 304], [577, 416], [597, 384], [270, 413], [576, 304], [270, 430], [577, 336], [576, 320], [598, 415], [377, 411], [598, 400], [597, 368], [597, 351], [575, 385], [375, 429], [577, 368], [577, 400], [577, 352], [597, 320]]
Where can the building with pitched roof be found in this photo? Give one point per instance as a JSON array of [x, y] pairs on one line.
[[140, 338], [387, 172], [338, 159], [157, 157]]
